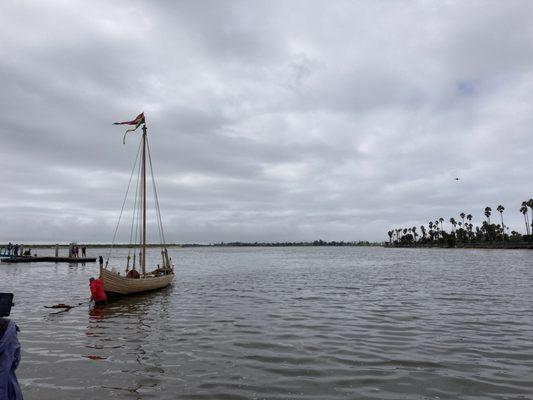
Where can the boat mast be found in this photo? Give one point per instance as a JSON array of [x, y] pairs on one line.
[[143, 260]]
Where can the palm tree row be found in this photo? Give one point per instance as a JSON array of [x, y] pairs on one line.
[[464, 231]]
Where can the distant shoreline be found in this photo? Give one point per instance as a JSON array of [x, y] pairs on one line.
[[315, 243], [494, 245]]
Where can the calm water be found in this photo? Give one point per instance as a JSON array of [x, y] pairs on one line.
[[286, 323]]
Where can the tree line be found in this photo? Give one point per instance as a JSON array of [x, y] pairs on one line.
[[463, 230]]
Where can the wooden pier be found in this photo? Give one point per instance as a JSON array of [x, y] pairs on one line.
[[29, 259]]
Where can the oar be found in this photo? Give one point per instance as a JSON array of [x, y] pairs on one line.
[[65, 307]]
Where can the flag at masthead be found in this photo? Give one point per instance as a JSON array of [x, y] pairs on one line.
[[138, 121]]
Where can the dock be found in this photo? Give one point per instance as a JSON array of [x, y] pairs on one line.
[[29, 259]]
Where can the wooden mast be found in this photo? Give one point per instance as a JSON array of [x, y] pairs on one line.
[[143, 260]]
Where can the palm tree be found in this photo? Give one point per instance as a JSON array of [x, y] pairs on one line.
[[390, 236], [441, 220], [523, 210], [500, 209], [469, 225], [487, 213], [461, 230], [462, 215], [413, 229], [453, 222], [530, 205]]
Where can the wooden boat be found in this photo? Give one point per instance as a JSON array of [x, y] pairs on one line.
[[5, 253], [116, 284], [136, 279]]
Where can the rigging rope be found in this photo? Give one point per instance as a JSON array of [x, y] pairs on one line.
[[122, 209], [162, 240], [134, 220], [133, 225]]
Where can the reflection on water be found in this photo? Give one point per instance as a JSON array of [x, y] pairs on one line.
[[96, 313], [285, 323]]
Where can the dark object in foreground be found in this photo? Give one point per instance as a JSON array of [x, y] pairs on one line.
[[6, 302], [9, 351], [49, 259]]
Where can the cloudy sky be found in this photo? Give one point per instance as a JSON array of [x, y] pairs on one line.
[[268, 120]]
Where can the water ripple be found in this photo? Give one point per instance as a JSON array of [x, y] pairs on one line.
[[286, 323]]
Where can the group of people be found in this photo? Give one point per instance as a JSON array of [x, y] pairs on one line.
[[76, 251], [16, 250]]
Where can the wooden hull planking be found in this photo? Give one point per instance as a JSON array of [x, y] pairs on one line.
[[118, 284]]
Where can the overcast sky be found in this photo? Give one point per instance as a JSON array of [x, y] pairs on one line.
[[268, 120]]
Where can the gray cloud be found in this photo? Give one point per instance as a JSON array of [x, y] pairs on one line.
[[268, 120]]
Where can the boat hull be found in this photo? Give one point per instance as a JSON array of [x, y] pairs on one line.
[[117, 284]]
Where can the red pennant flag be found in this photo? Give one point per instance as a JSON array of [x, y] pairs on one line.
[[138, 121]]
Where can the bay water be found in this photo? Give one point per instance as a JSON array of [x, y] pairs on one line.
[[284, 323]]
